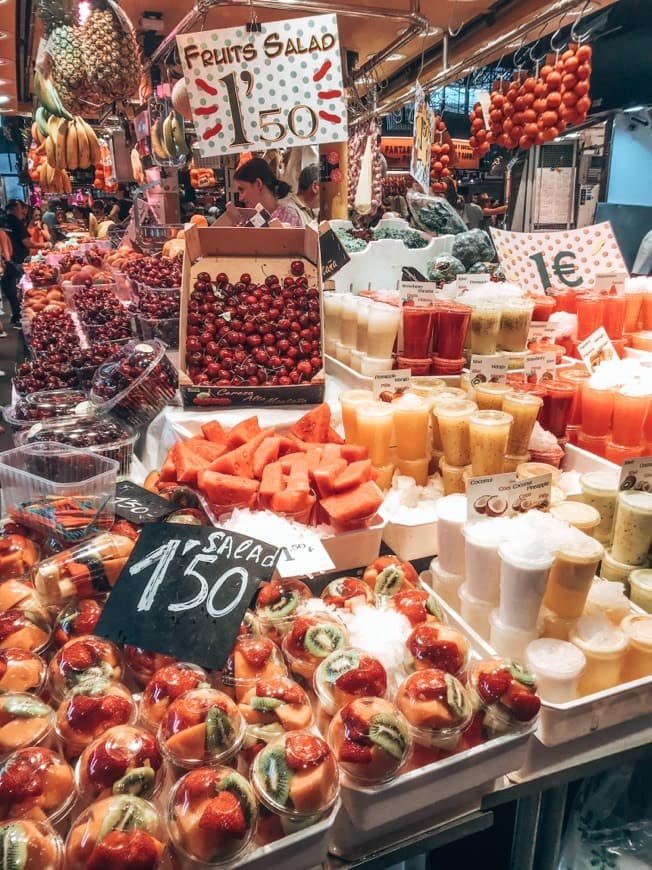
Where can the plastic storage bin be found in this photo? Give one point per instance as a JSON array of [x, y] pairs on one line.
[[40, 484], [137, 383]]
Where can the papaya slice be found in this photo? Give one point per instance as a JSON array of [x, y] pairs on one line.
[[307, 789], [294, 716], [189, 743]]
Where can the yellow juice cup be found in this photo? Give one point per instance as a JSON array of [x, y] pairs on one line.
[[453, 422], [604, 646], [638, 659], [414, 468], [632, 527], [571, 576], [348, 400], [577, 514], [411, 415], [600, 490], [489, 397], [524, 408], [451, 394], [489, 433], [452, 476], [385, 474], [375, 423], [640, 588]]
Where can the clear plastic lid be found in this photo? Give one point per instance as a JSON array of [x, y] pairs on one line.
[[77, 618], [89, 710], [24, 721], [313, 637], [46, 405], [37, 844], [143, 664], [120, 831], [296, 775], [18, 553], [86, 433], [251, 659], [124, 760], [370, 739], [433, 645], [36, 780], [275, 705], [22, 671], [277, 605], [348, 674], [165, 686], [418, 606], [25, 627], [436, 707], [203, 726], [211, 816], [83, 660], [345, 592], [506, 690]]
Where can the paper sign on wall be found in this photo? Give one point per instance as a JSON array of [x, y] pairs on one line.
[[559, 260], [596, 349], [424, 119], [277, 88]]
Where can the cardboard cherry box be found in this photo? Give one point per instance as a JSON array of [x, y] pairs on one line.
[[259, 253]]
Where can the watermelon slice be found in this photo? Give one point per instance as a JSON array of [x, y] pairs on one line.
[[226, 489], [290, 444], [243, 432], [325, 476], [168, 471], [213, 431], [208, 450], [187, 462], [353, 452], [298, 479], [313, 427], [293, 503], [239, 461], [272, 481], [354, 475], [333, 437], [346, 508], [265, 454]]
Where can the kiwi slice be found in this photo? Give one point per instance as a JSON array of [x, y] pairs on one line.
[[287, 602], [522, 675], [264, 705], [24, 708], [91, 686], [100, 672], [139, 781], [433, 608], [125, 815], [13, 847], [455, 696], [239, 786], [322, 640], [339, 663], [389, 581], [219, 730], [274, 773], [386, 731]]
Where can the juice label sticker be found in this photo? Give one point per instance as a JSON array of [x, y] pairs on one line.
[[490, 369], [610, 283], [388, 386], [541, 330], [421, 294], [596, 349], [637, 474], [539, 367], [467, 280], [502, 495]]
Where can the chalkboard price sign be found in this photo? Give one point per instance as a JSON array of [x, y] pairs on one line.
[[184, 591], [138, 505]]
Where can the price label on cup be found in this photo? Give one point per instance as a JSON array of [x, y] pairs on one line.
[[488, 369], [502, 495], [637, 474], [304, 558], [541, 330], [540, 367], [389, 385], [596, 349], [610, 282], [421, 294]]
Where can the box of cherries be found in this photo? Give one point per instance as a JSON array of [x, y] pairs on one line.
[[251, 318]]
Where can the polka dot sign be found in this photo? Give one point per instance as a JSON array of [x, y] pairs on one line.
[[275, 89], [563, 260]]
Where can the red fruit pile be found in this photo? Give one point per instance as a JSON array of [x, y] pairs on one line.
[[245, 333], [103, 315], [155, 271], [53, 329], [441, 155]]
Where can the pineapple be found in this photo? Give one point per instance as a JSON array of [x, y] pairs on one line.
[[67, 68], [111, 53]]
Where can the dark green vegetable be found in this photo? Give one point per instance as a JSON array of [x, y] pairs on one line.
[[473, 246]]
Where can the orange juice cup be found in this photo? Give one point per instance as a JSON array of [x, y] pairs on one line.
[[411, 414], [348, 400], [375, 423], [577, 377], [543, 308], [566, 301], [631, 405], [633, 305], [614, 315], [638, 659], [597, 409], [646, 310], [593, 443], [590, 314]]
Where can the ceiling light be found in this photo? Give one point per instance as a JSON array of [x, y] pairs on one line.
[[635, 109], [3, 34], [4, 99], [394, 57]]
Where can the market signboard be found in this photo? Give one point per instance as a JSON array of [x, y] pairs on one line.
[[558, 260], [278, 88]]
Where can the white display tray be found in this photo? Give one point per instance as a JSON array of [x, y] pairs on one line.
[[352, 380], [412, 541]]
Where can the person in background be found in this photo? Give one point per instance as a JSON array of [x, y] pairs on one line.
[[643, 262], [37, 230], [256, 183], [382, 160], [489, 211], [306, 199], [103, 222], [49, 219], [5, 257], [460, 207], [21, 245], [473, 213]]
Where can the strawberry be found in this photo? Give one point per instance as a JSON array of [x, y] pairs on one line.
[[356, 727], [281, 688], [172, 681], [269, 594], [523, 706], [304, 750], [256, 650], [125, 850], [20, 780], [348, 587], [492, 685], [79, 655], [427, 685], [412, 604], [88, 618], [354, 753], [369, 678], [84, 713], [426, 646], [224, 813], [199, 783], [140, 659], [296, 637], [10, 622], [3, 666], [116, 710], [148, 751], [106, 765]]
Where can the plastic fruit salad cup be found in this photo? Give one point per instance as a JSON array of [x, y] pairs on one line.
[[165, 686], [36, 783], [346, 675], [30, 845], [271, 708], [506, 691], [83, 660], [251, 659], [312, 638], [432, 645], [436, 707]]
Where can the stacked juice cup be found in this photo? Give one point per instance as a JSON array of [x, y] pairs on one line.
[[375, 426], [418, 332], [631, 410], [411, 417], [452, 425], [453, 321]]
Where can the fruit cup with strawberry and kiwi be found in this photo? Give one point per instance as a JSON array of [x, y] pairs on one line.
[[251, 659], [25, 627], [16, 592], [89, 710], [296, 777], [269, 709], [250, 626], [36, 783], [277, 605], [387, 576], [312, 638], [347, 593], [31, 845], [202, 726], [24, 721], [122, 831], [433, 645], [506, 692], [142, 664], [82, 660], [437, 709], [76, 619], [17, 555], [211, 817], [165, 686], [417, 605], [370, 739], [124, 760], [22, 671], [346, 675]]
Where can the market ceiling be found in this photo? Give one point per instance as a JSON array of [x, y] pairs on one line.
[[366, 34]]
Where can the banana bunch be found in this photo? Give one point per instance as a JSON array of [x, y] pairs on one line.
[[70, 144], [46, 94], [137, 167], [37, 134], [54, 180], [168, 139]]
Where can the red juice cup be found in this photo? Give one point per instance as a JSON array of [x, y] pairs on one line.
[[590, 314], [419, 324], [543, 308], [454, 322], [577, 377], [593, 443], [618, 453], [633, 306], [566, 301], [614, 314], [646, 310], [597, 410], [557, 406]]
